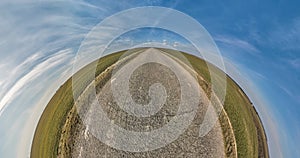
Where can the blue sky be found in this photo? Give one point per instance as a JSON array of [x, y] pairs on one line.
[[258, 40]]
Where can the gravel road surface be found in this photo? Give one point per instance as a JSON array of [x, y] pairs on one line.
[[152, 86]]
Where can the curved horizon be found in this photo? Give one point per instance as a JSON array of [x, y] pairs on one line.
[[39, 41]]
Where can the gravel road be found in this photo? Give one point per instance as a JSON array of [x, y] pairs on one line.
[[155, 89]]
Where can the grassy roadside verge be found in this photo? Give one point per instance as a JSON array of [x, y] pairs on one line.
[[248, 129], [47, 135]]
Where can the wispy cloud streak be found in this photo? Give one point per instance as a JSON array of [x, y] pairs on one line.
[[43, 67], [236, 42]]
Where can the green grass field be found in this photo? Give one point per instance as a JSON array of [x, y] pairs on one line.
[[248, 130]]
